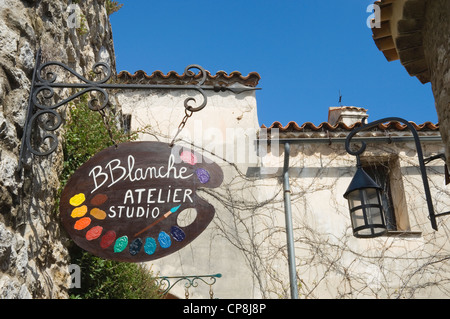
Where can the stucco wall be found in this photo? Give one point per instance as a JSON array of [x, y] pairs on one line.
[[331, 263], [224, 131], [246, 241]]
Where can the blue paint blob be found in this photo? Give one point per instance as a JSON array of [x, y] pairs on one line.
[[203, 175], [150, 246], [135, 246], [177, 233], [164, 240]]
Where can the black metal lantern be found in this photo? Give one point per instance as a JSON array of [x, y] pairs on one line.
[[363, 194], [366, 208]]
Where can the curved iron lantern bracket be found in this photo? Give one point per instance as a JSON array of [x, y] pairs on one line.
[[362, 148], [44, 82]]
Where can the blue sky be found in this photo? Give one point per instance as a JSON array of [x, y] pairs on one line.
[[305, 52]]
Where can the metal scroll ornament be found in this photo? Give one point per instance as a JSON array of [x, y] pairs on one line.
[[47, 84], [138, 201], [42, 109]]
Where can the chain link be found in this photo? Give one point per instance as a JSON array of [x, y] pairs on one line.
[[211, 292], [186, 117]]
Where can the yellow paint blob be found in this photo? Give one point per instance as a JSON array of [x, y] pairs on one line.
[[77, 200], [98, 214], [79, 211]]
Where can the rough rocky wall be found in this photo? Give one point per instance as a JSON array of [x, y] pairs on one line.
[[436, 37], [33, 253]]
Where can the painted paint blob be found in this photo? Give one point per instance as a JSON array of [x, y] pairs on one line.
[[135, 246], [121, 244], [94, 233], [188, 157], [77, 200], [99, 199], [108, 239], [164, 240], [203, 175], [79, 211], [150, 246], [98, 214], [82, 223], [177, 233]]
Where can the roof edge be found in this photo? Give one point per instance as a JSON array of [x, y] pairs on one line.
[[172, 77], [325, 126]]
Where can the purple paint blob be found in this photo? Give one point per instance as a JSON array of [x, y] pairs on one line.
[[203, 175]]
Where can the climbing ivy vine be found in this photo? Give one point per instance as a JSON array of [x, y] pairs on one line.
[[88, 132]]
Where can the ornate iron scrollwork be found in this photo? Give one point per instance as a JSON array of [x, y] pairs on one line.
[[48, 126], [46, 85], [166, 284], [198, 88]]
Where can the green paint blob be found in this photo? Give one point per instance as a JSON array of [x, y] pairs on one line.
[[121, 244]]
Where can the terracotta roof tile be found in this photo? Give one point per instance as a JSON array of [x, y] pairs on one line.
[[158, 77], [325, 126]]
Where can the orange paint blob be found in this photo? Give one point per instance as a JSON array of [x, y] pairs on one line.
[[79, 211], [98, 214], [94, 233], [82, 223]]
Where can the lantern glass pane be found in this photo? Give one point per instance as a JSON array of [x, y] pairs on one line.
[[357, 217], [366, 213], [372, 196], [374, 216], [354, 199]]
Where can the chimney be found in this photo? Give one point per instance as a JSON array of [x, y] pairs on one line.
[[348, 115]]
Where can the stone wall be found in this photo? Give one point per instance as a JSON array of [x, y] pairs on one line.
[[33, 253], [417, 33], [436, 37]]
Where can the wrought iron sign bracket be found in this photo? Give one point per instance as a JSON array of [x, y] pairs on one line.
[[190, 281], [43, 89]]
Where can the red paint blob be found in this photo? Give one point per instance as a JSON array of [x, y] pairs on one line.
[[108, 239], [94, 233]]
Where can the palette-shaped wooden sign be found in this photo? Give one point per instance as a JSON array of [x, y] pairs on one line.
[[125, 202]]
